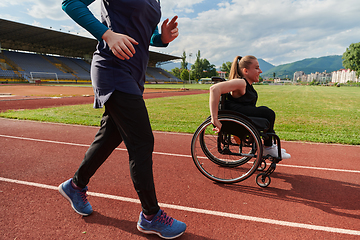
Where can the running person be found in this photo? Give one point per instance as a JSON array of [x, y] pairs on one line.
[[118, 67], [242, 97]]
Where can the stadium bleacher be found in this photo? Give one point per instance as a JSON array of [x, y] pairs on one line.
[[158, 75], [29, 66], [47, 68], [28, 50]]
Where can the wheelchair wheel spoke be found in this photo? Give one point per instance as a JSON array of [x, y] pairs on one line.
[[224, 157]]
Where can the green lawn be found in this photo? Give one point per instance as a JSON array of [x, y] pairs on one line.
[[303, 113], [178, 86]]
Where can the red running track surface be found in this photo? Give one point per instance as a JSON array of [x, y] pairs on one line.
[[313, 195]]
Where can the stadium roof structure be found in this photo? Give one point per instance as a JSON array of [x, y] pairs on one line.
[[23, 37]]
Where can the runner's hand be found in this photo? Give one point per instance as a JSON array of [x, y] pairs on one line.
[[121, 45], [169, 30]]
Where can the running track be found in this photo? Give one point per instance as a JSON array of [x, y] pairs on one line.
[[313, 195]]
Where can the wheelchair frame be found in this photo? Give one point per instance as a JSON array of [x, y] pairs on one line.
[[236, 152]]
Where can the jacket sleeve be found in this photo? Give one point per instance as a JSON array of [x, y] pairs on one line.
[[78, 10], [156, 39]]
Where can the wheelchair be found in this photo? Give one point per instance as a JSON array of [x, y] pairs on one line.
[[236, 152]]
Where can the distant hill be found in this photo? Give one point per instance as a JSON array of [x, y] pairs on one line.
[[265, 66], [171, 65], [309, 65]]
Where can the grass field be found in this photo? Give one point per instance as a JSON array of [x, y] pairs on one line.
[[303, 113]]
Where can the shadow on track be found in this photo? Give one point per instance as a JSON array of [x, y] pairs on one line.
[[331, 196]]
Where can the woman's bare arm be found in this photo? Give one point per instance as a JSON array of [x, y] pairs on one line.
[[234, 85]]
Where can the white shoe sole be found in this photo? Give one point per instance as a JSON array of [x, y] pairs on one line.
[[72, 205]]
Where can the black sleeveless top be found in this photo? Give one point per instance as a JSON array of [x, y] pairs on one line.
[[248, 99]]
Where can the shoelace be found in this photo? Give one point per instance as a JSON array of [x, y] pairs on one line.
[[84, 196], [163, 218]]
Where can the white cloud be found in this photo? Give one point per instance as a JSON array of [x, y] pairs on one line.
[[46, 9], [177, 7], [7, 3], [280, 31], [37, 24], [9, 17]]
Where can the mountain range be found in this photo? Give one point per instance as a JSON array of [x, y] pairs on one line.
[[308, 65]]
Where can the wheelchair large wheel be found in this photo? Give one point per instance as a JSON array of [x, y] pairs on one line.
[[230, 156]]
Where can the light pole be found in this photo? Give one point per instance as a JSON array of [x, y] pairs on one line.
[[190, 54]]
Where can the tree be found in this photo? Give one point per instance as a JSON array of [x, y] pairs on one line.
[[226, 67], [351, 58], [184, 75], [184, 63], [202, 68], [209, 69], [176, 72], [196, 68]]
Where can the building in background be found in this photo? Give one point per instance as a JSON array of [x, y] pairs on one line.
[[344, 76], [340, 76]]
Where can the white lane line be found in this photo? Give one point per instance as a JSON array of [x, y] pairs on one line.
[[203, 211], [177, 155], [43, 140]]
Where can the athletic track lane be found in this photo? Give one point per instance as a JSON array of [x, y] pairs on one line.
[[313, 195]]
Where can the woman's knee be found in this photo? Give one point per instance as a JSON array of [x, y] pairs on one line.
[[268, 113]]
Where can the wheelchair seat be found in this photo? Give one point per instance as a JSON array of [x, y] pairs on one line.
[[261, 124]]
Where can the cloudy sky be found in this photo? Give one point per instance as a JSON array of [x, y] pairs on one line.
[[278, 31]]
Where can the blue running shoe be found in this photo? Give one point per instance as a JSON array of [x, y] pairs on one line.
[[164, 226], [76, 197]]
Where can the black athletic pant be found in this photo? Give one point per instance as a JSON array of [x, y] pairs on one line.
[[251, 111], [125, 119]]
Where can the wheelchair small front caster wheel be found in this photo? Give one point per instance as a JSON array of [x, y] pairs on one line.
[[263, 180], [262, 166]]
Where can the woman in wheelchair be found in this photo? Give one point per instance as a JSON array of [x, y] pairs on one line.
[[242, 97]]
